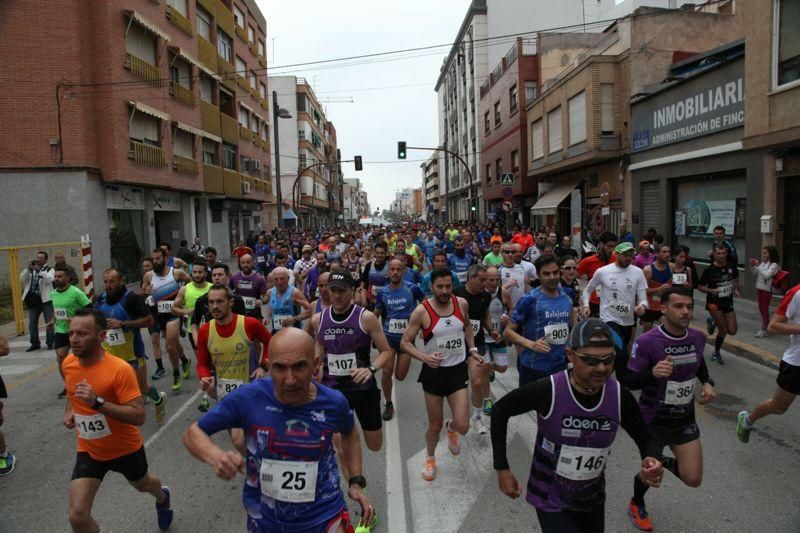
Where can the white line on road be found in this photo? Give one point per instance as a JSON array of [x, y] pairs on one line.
[[192, 399], [395, 490]]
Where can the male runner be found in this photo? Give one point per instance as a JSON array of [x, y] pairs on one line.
[[512, 275], [304, 265], [282, 260], [659, 277], [623, 294], [540, 325], [323, 302], [7, 459], [460, 261], [211, 260], [285, 302], [579, 411], [786, 321], [496, 355], [126, 313], [439, 262], [395, 303], [478, 300], [589, 265], [375, 276], [448, 339], [163, 284], [291, 474], [66, 300], [104, 407], [262, 252], [250, 285], [495, 257], [345, 334], [720, 282], [664, 364]]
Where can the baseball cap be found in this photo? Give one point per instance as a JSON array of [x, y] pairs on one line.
[[581, 335], [623, 247], [341, 280], [308, 248], [644, 243]]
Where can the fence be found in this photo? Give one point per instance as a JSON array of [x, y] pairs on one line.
[[14, 259]]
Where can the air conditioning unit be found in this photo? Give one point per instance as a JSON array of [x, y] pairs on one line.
[[245, 187]]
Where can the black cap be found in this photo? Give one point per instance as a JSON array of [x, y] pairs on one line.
[[581, 335], [340, 279]]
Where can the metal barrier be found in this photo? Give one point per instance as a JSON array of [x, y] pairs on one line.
[[13, 259]]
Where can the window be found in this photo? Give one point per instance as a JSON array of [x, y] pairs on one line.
[[497, 114], [244, 117], [238, 17], [255, 123], [577, 118], [253, 82], [229, 156], [207, 92], [244, 164], [606, 108], [251, 34], [301, 134], [787, 42], [530, 92], [498, 167], [226, 104], [145, 129], [488, 173], [537, 140], [203, 18], [224, 46], [241, 67], [554, 130], [141, 44], [180, 72], [178, 5], [262, 49], [262, 91], [264, 131], [512, 99], [183, 144], [210, 152], [515, 161]]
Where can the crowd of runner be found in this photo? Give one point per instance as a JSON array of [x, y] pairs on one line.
[[287, 351]]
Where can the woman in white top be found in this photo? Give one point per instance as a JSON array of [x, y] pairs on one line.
[[764, 271]]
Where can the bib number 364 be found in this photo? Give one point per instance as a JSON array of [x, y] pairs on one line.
[[289, 481]]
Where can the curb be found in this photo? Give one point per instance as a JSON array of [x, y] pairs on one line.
[[742, 349]]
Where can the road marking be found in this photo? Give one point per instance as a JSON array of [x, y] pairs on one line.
[[395, 489], [27, 379], [154, 436], [18, 344], [17, 356], [13, 370]]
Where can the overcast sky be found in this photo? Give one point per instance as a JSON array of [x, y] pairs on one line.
[[378, 118]]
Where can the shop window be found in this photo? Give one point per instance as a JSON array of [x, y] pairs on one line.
[[787, 42], [216, 216], [126, 233]]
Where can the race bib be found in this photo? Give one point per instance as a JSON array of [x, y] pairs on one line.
[[398, 325], [249, 303], [556, 334], [620, 310], [226, 386], [476, 326], [289, 481], [495, 323], [679, 392], [581, 464], [450, 345], [725, 289], [679, 279], [115, 337], [164, 306], [60, 313], [462, 277], [277, 321], [341, 364], [262, 259], [92, 426]]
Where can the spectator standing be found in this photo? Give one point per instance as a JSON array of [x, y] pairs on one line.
[[37, 283], [183, 252], [197, 248], [61, 263], [765, 270]]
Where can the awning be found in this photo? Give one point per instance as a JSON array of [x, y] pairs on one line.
[[549, 202], [195, 131], [191, 59], [149, 26], [146, 109], [246, 107], [289, 215]]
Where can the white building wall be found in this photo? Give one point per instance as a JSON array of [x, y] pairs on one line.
[[286, 87]]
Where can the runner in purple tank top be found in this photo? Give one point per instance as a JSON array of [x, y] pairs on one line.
[[664, 364], [579, 412]]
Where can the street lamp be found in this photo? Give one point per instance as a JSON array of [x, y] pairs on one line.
[[278, 112]]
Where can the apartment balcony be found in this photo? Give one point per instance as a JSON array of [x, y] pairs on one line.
[[178, 20], [145, 154], [253, 48], [312, 201], [209, 118], [212, 179], [207, 53], [245, 133], [224, 17], [264, 104], [227, 72], [265, 144], [208, 5], [185, 165], [231, 183], [182, 94], [254, 93], [143, 70], [229, 129], [241, 32], [262, 61], [242, 82]]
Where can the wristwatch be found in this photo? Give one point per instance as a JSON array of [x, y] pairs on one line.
[[474, 349], [358, 480], [372, 369], [98, 403]]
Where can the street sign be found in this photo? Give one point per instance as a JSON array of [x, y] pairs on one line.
[[506, 179], [507, 206], [507, 193]]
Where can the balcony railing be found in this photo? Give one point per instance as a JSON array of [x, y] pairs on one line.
[[182, 94], [208, 5], [209, 118], [241, 32], [207, 53], [146, 154], [243, 83], [181, 22], [212, 179], [184, 165], [228, 73], [232, 183], [253, 48], [224, 17], [245, 133], [229, 130], [143, 69]]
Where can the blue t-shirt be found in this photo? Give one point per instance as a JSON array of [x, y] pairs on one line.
[[275, 431], [397, 304], [429, 246], [412, 276], [460, 265], [425, 284], [539, 315]]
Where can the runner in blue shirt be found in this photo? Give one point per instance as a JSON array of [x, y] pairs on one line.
[[395, 303], [460, 261], [263, 253], [291, 473], [439, 261]]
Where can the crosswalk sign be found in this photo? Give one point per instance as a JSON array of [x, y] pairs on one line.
[[506, 179]]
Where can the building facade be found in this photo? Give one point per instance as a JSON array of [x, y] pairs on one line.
[[430, 188], [159, 130]]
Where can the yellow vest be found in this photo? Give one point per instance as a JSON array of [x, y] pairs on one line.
[[230, 355]]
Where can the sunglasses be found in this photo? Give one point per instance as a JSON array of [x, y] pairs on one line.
[[508, 251], [591, 360]]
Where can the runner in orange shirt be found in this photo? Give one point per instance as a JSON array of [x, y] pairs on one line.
[[104, 405], [589, 265]]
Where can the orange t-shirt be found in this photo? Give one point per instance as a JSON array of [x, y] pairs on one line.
[[115, 381], [588, 266]]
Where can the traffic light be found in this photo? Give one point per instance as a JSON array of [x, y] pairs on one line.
[[359, 165], [472, 208], [401, 150]]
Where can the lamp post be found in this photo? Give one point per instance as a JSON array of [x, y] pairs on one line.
[[278, 113]]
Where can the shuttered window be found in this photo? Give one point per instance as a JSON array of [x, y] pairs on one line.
[[577, 118], [184, 144], [788, 41], [606, 108], [140, 43], [554, 131], [651, 206], [144, 128], [537, 140]]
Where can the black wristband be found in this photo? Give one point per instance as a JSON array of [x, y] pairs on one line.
[[358, 480]]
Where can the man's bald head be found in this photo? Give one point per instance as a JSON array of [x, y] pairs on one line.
[[292, 363], [291, 340]]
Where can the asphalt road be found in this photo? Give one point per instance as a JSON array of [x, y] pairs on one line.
[[746, 487]]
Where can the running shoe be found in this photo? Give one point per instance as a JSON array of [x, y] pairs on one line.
[[164, 511], [638, 516], [478, 425], [161, 407], [388, 411], [429, 472], [487, 406], [710, 326], [742, 431], [7, 464], [452, 439], [717, 358], [205, 404], [177, 382], [760, 334], [62, 394], [159, 373], [186, 367]]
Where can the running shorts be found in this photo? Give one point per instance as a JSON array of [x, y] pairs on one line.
[[133, 466], [367, 406], [445, 380], [789, 377], [675, 436], [60, 340], [497, 354]]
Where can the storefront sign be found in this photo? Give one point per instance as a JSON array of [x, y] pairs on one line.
[[680, 223], [166, 201], [703, 216], [124, 197], [709, 103]]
